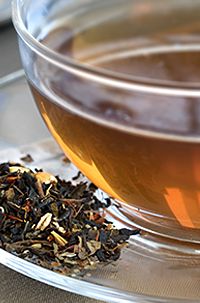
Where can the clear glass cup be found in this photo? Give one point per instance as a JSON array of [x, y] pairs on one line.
[[117, 83]]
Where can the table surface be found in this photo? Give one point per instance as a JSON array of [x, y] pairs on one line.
[[16, 288], [9, 55]]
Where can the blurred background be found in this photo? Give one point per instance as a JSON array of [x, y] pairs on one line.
[[9, 54]]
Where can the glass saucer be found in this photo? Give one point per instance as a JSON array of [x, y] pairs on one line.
[[151, 269]]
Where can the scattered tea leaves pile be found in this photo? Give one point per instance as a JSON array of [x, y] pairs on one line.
[[54, 223]]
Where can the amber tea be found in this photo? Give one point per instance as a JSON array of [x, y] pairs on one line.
[[141, 148]]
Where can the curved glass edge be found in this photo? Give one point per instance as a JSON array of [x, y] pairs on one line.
[[88, 72], [75, 285]]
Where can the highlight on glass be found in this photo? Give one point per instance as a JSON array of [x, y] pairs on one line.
[[117, 84]]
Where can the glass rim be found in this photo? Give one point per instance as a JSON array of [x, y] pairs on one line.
[[85, 287], [97, 74]]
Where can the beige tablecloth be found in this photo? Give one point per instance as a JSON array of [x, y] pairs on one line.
[[16, 288]]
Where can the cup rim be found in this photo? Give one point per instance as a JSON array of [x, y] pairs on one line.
[[97, 74]]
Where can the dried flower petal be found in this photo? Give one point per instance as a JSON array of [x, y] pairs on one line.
[[59, 228], [44, 222], [68, 255], [45, 178], [21, 169], [93, 246], [36, 246]]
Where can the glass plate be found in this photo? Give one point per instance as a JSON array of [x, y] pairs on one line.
[[149, 270]]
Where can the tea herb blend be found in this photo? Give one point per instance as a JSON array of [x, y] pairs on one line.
[[55, 223]]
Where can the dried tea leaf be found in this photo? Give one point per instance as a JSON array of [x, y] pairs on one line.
[[69, 261], [54, 209], [10, 194], [39, 188], [55, 248], [66, 160], [60, 240], [28, 158], [54, 223], [79, 174], [44, 222], [82, 254]]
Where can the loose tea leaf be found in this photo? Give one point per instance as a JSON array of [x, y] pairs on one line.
[[79, 174], [27, 159], [55, 223], [66, 160]]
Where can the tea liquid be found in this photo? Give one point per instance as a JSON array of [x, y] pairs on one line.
[[142, 149]]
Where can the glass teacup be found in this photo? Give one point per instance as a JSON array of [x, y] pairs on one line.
[[118, 85]]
